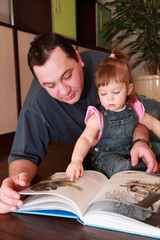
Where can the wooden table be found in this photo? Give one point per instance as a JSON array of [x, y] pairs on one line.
[[31, 227]]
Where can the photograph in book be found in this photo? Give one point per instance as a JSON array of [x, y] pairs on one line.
[[131, 197], [133, 194], [72, 195]]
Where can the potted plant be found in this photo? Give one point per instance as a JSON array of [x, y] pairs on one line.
[[135, 25]]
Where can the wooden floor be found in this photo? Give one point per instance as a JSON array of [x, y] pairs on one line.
[[32, 227], [58, 156]]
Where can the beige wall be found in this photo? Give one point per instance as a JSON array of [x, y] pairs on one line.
[[26, 76], [8, 101], [4, 11]]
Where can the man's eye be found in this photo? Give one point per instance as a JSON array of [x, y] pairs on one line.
[[51, 86], [67, 76]]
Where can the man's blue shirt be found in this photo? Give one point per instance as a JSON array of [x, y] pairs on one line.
[[44, 119]]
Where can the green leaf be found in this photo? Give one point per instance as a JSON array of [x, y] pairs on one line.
[[139, 19]]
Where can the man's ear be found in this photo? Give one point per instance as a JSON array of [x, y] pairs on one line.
[[79, 59], [130, 88]]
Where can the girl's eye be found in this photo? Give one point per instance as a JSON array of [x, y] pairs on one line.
[[116, 92], [103, 94]]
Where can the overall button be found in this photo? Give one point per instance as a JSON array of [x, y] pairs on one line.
[[105, 113], [96, 149]]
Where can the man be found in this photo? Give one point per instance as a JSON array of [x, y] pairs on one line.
[[54, 109]]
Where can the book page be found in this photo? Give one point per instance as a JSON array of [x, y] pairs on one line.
[[76, 194], [132, 193]]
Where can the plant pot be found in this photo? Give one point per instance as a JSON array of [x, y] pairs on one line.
[[148, 85]]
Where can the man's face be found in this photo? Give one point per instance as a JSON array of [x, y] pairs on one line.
[[62, 77]]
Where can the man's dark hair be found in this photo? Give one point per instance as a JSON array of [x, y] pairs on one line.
[[43, 44]]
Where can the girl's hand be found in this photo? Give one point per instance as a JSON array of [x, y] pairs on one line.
[[74, 169]]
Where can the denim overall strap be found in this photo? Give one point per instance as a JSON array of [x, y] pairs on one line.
[[112, 153], [118, 127]]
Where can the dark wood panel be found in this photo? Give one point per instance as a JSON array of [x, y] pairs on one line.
[[33, 15], [86, 23], [28, 227]]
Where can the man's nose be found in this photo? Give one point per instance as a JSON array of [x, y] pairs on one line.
[[64, 89]]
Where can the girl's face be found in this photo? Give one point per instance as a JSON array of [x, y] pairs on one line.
[[113, 96]]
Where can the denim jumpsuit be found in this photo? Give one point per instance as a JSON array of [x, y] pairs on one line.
[[112, 152]]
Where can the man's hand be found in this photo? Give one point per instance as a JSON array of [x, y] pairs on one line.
[[10, 199], [143, 151]]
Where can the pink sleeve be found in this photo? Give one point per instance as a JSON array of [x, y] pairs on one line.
[[139, 108], [90, 111]]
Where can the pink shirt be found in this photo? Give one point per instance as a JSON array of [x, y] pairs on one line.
[[138, 107]]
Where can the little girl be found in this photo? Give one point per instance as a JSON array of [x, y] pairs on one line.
[[110, 125]]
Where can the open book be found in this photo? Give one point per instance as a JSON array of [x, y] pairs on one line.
[[129, 201]]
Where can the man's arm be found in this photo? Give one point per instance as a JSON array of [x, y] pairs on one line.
[[21, 173], [140, 132], [142, 150], [23, 165]]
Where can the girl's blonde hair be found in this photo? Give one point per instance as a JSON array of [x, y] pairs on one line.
[[115, 68]]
